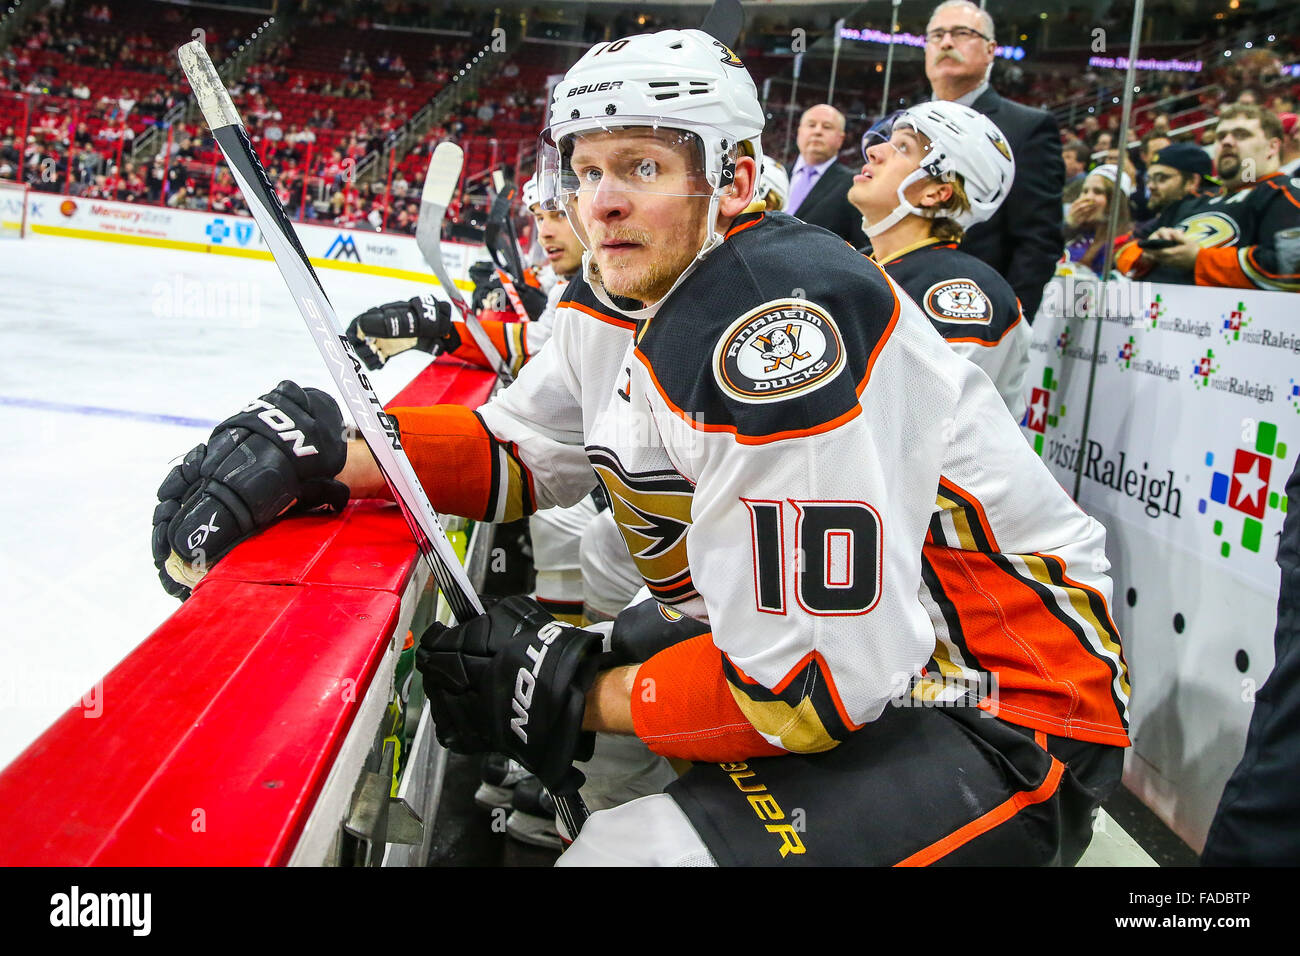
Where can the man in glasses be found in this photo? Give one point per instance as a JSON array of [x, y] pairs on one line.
[[1023, 240]]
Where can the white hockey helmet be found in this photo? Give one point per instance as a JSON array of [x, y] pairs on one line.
[[528, 193], [963, 142], [681, 81], [774, 180]]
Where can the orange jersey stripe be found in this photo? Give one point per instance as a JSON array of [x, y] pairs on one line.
[[1220, 267], [443, 440], [623, 323], [470, 352], [1048, 677], [995, 817]]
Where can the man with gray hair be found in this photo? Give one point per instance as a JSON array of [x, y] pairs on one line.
[[819, 185], [1023, 239]]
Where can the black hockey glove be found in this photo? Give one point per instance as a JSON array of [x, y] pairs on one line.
[[423, 323], [513, 681], [643, 630], [280, 453]]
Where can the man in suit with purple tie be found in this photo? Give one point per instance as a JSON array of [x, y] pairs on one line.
[[819, 186]]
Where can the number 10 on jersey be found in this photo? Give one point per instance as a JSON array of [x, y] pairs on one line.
[[833, 554]]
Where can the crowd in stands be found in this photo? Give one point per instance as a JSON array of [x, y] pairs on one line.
[[82, 81]]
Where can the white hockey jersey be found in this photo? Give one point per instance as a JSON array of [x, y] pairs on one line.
[[795, 456]]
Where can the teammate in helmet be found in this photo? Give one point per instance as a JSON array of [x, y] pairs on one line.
[[869, 592], [931, 172], [773, 186], [425, 322]]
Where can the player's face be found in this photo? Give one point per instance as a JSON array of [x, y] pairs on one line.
[[1166, 185], [642, 202], [562, 248], [1243, 148], [875, 190], [821, 134]]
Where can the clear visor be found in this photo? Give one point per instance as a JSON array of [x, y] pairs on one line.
[[635, 155], [894, 134]]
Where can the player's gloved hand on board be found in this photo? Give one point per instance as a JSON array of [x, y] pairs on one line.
[[279, 454], [513, 681], [423, 323]]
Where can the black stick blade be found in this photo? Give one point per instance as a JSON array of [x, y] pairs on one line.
[[724, 21]]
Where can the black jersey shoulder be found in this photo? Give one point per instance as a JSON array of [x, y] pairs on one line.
[[775, 333], [578, 296], [1240, 217], [965, 298]]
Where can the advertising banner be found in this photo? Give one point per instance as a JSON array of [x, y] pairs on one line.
[[1193, 431], [223, 233], [1195, 419]]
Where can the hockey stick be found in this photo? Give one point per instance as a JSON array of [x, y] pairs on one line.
[[439, 184], [344, 366], [724, 21], [498, 220], [505, 254]]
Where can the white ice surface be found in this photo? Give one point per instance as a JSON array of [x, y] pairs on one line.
[[111, 335]]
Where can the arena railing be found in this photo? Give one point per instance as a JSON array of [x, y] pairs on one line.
[[272, 719]]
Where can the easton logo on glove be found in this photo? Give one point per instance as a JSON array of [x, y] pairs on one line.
[[526, 679], [283, 424], [280, 453]]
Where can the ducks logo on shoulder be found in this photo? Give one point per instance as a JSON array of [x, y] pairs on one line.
[[783, 348], [958, 300]]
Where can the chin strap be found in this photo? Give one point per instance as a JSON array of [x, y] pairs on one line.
[[903, 209]]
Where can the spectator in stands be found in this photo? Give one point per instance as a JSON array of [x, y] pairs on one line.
[[157, 178], [1074, 157], [1087, 225], [9, 157], [1023, 239], [1178, 172], [1152, 143], [819, 186], [1249, 236]]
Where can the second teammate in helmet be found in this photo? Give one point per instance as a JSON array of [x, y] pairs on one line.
[[931, 172], [426, 323]]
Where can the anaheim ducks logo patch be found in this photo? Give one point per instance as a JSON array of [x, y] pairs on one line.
[[728, 57], [783, 348], [668, 614], [1001, 144], [958, 300], [1210, 230]]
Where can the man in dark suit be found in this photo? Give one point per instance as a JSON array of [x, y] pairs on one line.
[[819, 186], [1023, 240]]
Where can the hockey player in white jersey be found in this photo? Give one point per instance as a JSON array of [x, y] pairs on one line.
[[570, 584], [874, 597], [932, 172]]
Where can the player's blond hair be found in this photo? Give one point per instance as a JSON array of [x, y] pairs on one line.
[[945, 227]]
